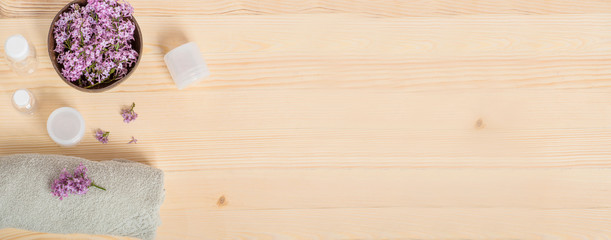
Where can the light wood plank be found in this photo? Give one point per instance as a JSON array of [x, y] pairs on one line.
[[347, 52], [390, 223], [383, 203], [324, 188], [379, 223], [378, 8], [227, 129]]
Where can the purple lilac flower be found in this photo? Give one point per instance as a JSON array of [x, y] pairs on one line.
[[93, 42], [134, 140], [102, 136], [76, 183], [129, 114]]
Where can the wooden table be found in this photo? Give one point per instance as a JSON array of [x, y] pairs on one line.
[[340, 119]]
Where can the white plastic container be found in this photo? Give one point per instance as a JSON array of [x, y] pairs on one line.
[[20, 54], [66, 126], [186, 65], [24, 101]]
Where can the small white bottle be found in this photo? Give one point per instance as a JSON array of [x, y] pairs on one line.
[[24, 101], [20, 54]]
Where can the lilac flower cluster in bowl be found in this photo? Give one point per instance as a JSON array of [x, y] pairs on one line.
[[95, 44]]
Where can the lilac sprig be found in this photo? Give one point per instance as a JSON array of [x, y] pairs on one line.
[[102, 136], [129, 114], [76, 183], [94, 42]]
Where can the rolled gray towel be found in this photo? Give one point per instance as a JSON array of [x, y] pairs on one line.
[[129, 206]]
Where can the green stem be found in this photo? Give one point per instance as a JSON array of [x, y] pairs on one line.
[[93, 184], [90, 86]]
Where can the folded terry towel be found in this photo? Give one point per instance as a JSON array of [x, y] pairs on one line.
[[129, 206]]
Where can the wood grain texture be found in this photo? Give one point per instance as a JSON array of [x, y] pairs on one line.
[[352, 119], [376, 8]]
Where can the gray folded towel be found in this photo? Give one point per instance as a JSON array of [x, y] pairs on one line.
[[129, 206]]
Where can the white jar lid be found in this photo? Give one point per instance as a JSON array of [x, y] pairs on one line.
[[21, 98], [16, 47], [186, 65], [66, 126]]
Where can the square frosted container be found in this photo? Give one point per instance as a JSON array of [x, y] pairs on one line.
[[186, 65]]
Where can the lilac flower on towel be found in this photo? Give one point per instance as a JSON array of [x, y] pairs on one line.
[[134, 140], [76, 183], [129, 114], [102, 136]]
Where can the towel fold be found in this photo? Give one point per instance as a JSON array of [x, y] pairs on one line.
[[129, 206]]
